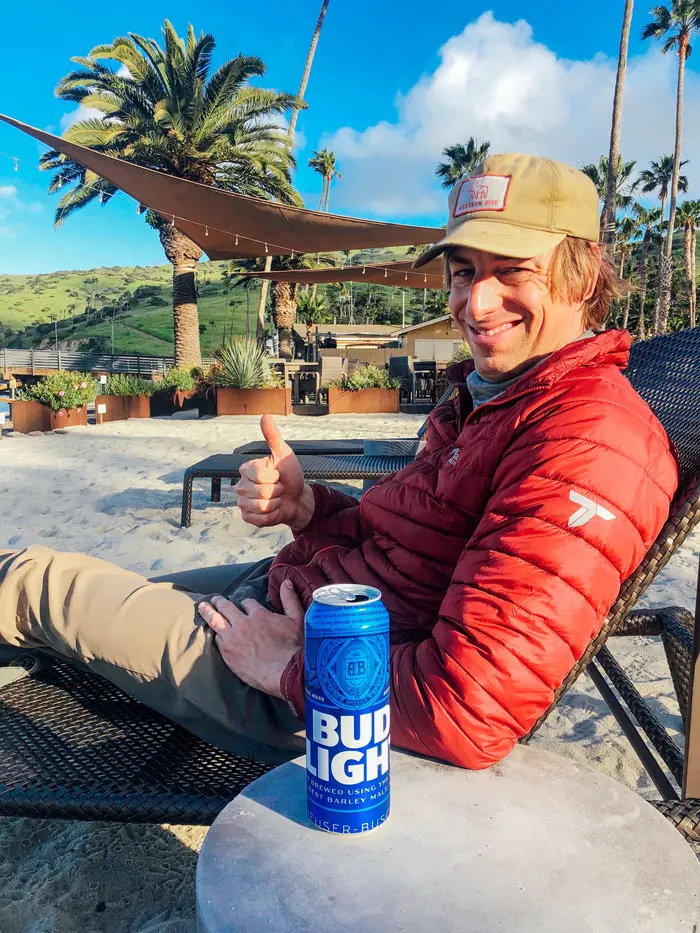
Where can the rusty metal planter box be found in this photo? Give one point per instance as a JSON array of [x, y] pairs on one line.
[[67, 418], [29, 416], [121, 407], [253, 401], [363, 401]]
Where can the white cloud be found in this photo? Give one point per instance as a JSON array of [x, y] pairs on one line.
[[495, 82], [12, 206], [80, 113]]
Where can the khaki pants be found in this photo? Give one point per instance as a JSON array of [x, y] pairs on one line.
[[147, 638]]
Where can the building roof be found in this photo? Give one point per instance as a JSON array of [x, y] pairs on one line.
[[435, 320]]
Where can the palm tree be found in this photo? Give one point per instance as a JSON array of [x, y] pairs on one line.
[[675, 26], [625, 186], [323, 162], [265, 284], [626, 234], [312, 309], [609, 208], [463, 159], [647, 221], [660, 177], [688, 218], [307, 67], [627, 231], [162, 109], [284, 294]]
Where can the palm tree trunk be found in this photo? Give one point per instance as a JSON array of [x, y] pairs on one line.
[[609, 209], [184, 256], [264, 288], [626, 314], [641, 330], [693, 290], [307, 67], [323, 194], [659, 282], [665, 302], [284, 307], [329, 179]]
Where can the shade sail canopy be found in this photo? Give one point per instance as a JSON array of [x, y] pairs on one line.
[[388, 273], [227, 225]]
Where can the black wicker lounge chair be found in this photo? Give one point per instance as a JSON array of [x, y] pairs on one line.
[[73, 746]]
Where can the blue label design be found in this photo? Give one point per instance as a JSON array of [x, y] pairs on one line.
[[352, 671]]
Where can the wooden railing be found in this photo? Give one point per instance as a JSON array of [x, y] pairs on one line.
[[36, 361]]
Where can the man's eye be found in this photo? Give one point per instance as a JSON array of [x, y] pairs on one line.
[[463, 273], [514, 271]]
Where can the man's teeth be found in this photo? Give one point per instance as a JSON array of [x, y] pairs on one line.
[[489, 332]]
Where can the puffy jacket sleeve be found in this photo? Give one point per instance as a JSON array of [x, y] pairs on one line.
[[575, 503]]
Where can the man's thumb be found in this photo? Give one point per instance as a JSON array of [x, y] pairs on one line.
[[278, 448]]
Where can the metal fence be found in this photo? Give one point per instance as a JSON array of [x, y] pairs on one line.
[[32, 361]]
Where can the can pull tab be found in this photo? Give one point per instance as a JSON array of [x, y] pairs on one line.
[[340, 593]]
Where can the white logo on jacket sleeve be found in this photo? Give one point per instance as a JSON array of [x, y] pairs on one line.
[[589, 509]]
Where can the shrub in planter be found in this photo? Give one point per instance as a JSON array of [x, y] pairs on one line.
[[245, 382], [367, 391], [170, 394], [125, 396], [64, 395]]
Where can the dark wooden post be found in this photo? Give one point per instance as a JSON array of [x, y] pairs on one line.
[[691, 777]]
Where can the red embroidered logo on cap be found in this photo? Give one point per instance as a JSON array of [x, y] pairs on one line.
[[481, 193]]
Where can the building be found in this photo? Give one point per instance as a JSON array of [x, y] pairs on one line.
[[432, 340]]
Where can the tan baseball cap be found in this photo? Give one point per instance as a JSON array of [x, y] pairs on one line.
[[520, 206]]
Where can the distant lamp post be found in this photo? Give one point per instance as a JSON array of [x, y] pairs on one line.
[[112, 334]]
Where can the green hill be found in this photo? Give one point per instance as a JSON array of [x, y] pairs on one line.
[[138, 301]]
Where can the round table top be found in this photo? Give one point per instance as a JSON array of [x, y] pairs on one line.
[[534, 844]]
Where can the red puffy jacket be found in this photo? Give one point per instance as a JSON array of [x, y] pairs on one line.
[[500, 550]]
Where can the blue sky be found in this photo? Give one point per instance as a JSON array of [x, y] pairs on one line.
[[391, 85]]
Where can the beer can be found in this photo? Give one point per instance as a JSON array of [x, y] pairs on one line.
[[346, 635]]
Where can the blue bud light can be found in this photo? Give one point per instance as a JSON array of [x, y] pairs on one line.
[[347, 708]]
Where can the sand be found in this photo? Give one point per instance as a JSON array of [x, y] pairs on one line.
[[114, 491]]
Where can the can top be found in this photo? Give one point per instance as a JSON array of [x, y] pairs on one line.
[[346, 594]]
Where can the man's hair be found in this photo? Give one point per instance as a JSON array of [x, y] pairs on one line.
[[575, 265]]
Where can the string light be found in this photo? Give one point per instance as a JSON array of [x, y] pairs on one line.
[[103, 197]]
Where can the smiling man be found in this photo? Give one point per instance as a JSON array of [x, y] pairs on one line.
[[498, 552]]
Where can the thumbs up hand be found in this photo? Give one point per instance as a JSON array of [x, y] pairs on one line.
[[272, 491]]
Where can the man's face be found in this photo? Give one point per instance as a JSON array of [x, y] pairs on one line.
[[505, 312]]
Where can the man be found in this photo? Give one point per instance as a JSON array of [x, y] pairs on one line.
[[498, 551]]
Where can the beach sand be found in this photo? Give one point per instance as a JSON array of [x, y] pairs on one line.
[[114, 491]]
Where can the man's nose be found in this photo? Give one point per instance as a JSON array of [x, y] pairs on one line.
[[483, 298]]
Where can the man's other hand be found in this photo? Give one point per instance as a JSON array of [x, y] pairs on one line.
[[257, 644], [272, 491]]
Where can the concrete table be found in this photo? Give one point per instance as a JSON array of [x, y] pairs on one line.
[[536, 844]]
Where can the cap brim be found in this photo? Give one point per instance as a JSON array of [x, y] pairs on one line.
[[493, 236]]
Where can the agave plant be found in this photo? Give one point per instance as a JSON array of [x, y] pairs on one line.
[[243, 365], [462, 352]]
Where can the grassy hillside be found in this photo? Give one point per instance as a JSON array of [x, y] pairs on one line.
[[138, 300], [139, 297]]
